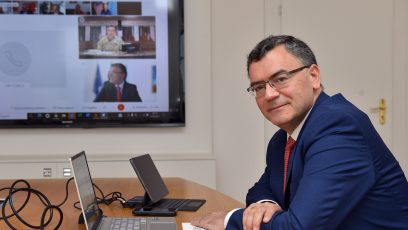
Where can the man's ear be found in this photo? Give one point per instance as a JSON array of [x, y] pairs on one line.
[[314, 72]]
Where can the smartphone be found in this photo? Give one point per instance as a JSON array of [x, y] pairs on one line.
[[154, 212]]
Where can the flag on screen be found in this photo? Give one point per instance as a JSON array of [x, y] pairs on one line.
[[112, 8], [98, 81]]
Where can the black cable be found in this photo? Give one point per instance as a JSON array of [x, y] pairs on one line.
[[48, 206], [107, 200], [11, 200], [100, 191], [114, 196], [30, 190], [66, 192], [43, 225]]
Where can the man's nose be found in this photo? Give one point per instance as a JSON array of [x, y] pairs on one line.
[[270, 92]]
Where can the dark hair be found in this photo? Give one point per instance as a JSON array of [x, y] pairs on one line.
[[97, 3], [122, 68], [296, 47], [108, 26]]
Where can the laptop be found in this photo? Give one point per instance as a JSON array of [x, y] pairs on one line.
[[130, 47], [94, 218], [156, 190]]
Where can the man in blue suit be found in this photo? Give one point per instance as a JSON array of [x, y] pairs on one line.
[[327, 167]]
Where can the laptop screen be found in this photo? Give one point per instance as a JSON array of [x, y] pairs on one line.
[[86, 193]]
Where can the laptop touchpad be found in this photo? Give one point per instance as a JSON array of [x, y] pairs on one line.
[[162, 225]]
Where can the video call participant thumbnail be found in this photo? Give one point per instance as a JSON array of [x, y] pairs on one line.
[[116, 89], [100, 8], [110, 42]]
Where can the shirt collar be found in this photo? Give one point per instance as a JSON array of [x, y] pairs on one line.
[[296, 132], [120, 85]]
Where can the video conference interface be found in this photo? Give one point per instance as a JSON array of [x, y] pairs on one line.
[[83, 59]]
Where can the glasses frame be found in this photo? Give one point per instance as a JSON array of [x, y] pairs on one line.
[[114, 72], [251, 89]]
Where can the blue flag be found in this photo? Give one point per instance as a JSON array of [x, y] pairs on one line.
[[112, 7], [98, 81]]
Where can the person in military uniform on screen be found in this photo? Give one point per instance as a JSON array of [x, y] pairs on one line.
[[110, 42]]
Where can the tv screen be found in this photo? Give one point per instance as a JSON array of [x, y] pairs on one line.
[[91, 63]]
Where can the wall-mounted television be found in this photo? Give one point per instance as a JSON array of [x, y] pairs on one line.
[[91, 63]]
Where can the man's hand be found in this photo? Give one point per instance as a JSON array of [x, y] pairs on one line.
[[212, 221], [257, 213]]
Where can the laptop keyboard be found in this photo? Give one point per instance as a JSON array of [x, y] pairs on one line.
[[126, 223]]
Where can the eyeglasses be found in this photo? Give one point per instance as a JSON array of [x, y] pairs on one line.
[[115, 72], [277, 81]]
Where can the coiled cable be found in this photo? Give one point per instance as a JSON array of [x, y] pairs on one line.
[[48, 206], [44, 200]]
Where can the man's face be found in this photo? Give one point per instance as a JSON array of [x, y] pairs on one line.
[[110, 33], [116, 76], [287, 107], [98, 7]]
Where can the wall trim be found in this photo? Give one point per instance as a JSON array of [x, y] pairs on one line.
[[43, 158]]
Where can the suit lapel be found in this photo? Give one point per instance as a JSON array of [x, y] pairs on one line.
[[275, 154], [296, 149], [124, 92]]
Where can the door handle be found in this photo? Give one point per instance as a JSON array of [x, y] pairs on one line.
[[381, 109]]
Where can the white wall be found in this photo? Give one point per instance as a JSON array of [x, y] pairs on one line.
[[238, 136]]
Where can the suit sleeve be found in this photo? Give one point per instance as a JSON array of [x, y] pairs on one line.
[[137, 97], [235, 221], [131, 93], [103, 95], [100, 96]]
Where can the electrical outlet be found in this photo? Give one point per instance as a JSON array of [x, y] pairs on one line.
[[66, 172], [47, 172]]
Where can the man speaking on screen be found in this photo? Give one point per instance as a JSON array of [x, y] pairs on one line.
[[116, 89]]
